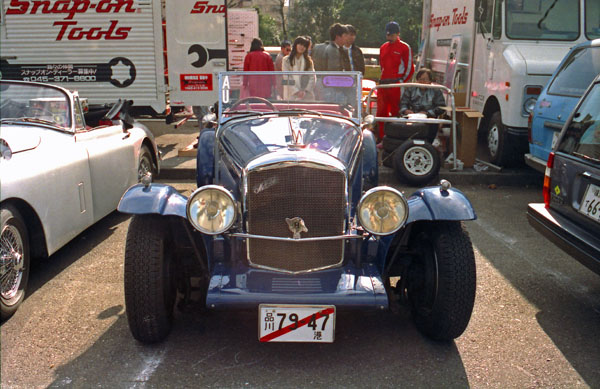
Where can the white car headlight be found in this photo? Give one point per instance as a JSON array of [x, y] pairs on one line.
[[211, 209], [382, 210]]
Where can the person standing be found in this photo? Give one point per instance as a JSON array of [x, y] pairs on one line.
[[286, 47], [335, 57], [395, 57], [257, 60], [355, 54], [299, 87]]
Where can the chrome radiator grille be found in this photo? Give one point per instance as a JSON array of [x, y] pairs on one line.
[[314, 194]]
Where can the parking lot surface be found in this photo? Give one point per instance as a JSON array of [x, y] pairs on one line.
[[536, 323]]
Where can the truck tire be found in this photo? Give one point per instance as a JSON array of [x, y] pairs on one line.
[[416, 162], [500, 151], [14, 248], [441, 280], [150, 288]]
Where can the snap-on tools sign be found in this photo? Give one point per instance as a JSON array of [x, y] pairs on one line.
[[65, 11], [196, 82]]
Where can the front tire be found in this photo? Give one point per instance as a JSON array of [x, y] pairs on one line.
[[416, 162], [441, 281], [145, 165], [150, 288], [14, 261]]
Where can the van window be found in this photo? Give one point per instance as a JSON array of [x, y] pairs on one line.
[[576, 73], [582, 137], [542, 19], [592, 19]]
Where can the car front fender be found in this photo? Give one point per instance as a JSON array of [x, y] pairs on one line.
[[434, 203], [153, 199]]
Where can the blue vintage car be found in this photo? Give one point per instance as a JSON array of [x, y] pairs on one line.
[[558, 98], [288, 219]]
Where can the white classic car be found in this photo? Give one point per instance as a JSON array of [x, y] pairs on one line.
[[61, 170]]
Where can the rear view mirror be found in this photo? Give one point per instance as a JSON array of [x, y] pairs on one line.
[[481, 9]]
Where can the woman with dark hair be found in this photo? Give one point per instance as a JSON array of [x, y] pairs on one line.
[[298, 87], [258, 60]]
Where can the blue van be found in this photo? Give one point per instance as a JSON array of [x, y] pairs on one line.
[[558, 98]]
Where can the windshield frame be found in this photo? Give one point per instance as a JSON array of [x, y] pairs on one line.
[[69, 126], [508, 11], [224, 96]]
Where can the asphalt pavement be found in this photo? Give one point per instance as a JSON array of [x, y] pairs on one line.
[[172, 139]]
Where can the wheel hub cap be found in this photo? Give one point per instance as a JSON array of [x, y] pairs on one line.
[[11, 262], [493, 140], [418, 161]]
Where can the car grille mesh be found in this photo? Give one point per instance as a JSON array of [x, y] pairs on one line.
[[316, 195]]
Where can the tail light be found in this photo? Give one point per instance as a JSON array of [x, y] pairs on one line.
[[546, 190]]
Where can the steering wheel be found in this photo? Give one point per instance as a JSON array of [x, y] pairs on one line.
[[246, 100]]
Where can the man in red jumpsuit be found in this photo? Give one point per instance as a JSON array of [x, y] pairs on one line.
[[395, 58], [258, 60]]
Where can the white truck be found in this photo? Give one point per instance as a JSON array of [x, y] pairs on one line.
[[109, 49], [497, 55]]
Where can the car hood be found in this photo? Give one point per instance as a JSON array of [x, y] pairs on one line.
[[297, 138], [20, 138], [540, 60]]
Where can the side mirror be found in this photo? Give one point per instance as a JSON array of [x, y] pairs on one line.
[[120, 111], [368, 122], [481, 9], [209, 120]]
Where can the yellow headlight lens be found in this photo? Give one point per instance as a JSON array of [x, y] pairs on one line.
[[382, 210], [211, 209]]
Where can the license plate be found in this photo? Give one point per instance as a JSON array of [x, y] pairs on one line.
[[590, 205], [296, 323]]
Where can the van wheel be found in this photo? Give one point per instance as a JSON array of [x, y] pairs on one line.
[[499, 149]]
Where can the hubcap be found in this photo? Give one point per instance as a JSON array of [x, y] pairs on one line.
[[11, 262], [145, 167], [418, 161], [492, 139]]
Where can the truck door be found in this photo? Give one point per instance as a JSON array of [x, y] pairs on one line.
[[196, 50]]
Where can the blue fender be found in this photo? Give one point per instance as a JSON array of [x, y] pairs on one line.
[[369, 161], [157, 198], [433, 203], [205, 159]]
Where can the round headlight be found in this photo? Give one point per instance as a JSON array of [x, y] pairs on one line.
[[382, 210], [529, 104], [211, 209]]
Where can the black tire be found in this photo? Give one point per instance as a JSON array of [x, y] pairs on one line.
[[387, 159], [150, 288], [391, 144], [416, 162], [441, 280], [146, 164], [14, 247], [499, 147]]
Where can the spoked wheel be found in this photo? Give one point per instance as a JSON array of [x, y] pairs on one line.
[[150, 287], [440, 283], [14, 261], [247, 100], [416, 162], [146, 165]]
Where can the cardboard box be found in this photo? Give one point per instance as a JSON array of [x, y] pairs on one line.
[[467, 121]]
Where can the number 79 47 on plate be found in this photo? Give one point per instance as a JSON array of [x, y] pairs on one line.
[[296, 323]]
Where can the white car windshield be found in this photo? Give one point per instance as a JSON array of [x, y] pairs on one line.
[[34, 103], [330, 93]]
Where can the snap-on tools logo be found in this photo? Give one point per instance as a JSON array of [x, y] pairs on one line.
[[69, 8], [202, 7], [457, 17]]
